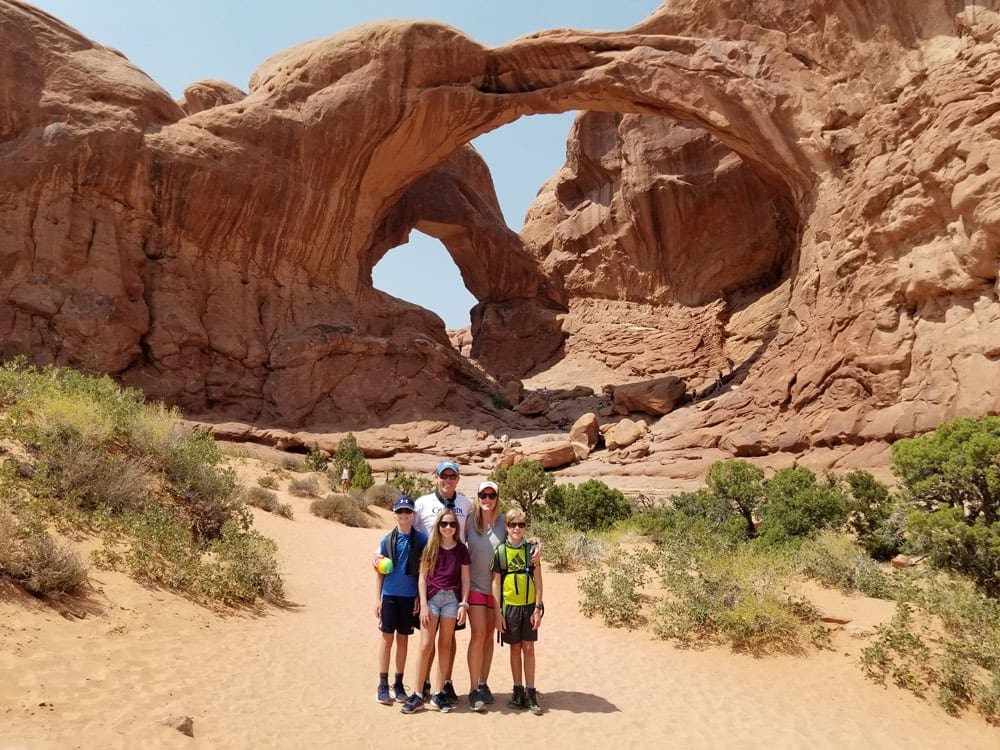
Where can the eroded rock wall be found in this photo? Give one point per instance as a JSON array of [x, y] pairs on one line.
[[220, 255]]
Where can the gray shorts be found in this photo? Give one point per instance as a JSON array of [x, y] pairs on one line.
[[443, 604], [518, 619]]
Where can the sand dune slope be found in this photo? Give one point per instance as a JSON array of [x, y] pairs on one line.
[[106, 674]]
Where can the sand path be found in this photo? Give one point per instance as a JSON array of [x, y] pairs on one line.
[[305, 676]]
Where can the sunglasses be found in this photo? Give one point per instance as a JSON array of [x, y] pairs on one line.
[[448, 524], [448, 476], [517, 525], [488, 495], [405, 511]]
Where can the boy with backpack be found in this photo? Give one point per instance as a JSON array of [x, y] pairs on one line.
[[517, 587], [396, 596]]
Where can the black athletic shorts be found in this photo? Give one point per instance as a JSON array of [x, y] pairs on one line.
[[518, 619], [397, 615]]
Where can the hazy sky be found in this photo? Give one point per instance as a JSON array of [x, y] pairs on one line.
[[180, 41]]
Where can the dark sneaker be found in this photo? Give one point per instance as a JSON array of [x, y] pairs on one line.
[[476, 702], [486, 694], [518, 698], [449, 693], [400, 692], [426, 694], [532, 696], [382, 696], [440, 701], [413, 704]]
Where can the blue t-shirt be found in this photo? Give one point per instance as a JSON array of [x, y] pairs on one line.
[[397, 583]]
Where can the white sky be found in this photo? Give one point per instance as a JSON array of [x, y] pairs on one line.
[[181, 41]]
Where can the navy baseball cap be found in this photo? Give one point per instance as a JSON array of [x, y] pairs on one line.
[[447, 465], [403, 501]]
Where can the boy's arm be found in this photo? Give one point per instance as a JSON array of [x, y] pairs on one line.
[[539, 607], [378, 593]]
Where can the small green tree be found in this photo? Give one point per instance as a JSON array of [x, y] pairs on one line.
[[796, 505], [409, 484], [587, 506], [958, 465], [739, 483], [874, 515], [349, 456], [523, 484]]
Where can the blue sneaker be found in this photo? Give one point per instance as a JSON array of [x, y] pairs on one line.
[[382, 696], [449, 693], [400, 693], [441, 703], [486, 694], [413, 704], [476, 702]]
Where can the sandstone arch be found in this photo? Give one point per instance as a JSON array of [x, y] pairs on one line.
[[225, 263]]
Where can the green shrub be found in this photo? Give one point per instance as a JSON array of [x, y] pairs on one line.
[[244, 566], [587, 506], [349, 456], [268, 481], [381, 495], [523, 485], [738, 594], [741, 485], [956, 465], [36, 561], [795, 505], [564, 547], [409, 484], [835, 560], [943, 640], [614, 591], [207, 492], [80, 474], [951, 543], [875, 516], [304, 487], [258, 497], [341, 508], [899, 653], [316, 460]]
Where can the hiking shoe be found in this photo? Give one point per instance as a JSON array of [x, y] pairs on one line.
[[400, 692], [413, 704], [476, 702], [426, 694], [382, 695], [518, 698], [440, 701], [532, 698], [449, 694], [486, 694]]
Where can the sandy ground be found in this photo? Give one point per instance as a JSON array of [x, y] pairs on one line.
[[103, 672]]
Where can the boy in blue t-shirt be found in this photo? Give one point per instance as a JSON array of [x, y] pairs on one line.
[[396, 596]]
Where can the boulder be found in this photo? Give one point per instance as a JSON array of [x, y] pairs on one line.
[[585, 430], [623, 434], [655, 397]]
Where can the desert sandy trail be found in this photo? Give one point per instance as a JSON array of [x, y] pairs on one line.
[[305, 676]]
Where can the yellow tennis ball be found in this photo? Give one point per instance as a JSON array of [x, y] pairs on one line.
[[384, 566]]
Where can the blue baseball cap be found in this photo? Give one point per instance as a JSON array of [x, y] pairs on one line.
[[446, 465], [403, 501]]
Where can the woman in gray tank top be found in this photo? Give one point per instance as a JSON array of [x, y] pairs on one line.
[[484, 532]]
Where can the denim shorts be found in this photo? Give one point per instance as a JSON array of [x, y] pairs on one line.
[[443, 604]]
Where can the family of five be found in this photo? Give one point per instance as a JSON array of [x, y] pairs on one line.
[[456, 563]]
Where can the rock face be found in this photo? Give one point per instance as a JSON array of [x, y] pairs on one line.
[[790, 206]]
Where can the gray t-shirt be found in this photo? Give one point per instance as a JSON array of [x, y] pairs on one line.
[[481, 548]]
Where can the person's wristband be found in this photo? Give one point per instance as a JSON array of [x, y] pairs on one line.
[[463, 604], [540, 608]]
